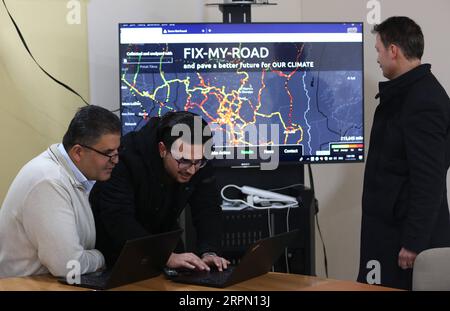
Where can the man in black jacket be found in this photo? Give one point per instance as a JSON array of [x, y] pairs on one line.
[[162, 168], [404, 205]]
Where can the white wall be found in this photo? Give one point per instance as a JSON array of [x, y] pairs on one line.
[[103, 35], [338, 187]]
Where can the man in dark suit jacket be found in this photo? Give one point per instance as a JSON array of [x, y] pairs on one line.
[[404, 205], [162, 168]]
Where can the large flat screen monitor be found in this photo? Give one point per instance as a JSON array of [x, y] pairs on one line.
[[291, 88]]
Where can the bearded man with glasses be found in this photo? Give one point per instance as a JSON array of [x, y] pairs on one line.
[[161, 170]]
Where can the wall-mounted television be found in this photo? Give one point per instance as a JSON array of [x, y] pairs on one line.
[[291, 88]]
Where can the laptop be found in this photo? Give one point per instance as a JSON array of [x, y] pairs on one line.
[[140, 259], [258, 260]]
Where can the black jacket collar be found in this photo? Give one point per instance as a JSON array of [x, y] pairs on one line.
[[397, 85]]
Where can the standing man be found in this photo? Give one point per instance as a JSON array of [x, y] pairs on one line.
[[162, 169], [404, 204], [46, 222]]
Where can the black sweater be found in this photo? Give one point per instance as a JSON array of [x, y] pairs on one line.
[[136, 201]]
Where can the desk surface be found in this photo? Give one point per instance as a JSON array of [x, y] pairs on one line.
[[269, 282]]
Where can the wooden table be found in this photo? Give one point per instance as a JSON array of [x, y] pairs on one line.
[[271, 281]]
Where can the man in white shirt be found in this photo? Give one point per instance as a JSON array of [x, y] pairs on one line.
[[46, 223]]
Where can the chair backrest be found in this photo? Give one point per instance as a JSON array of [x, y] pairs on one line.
[[432, 270]]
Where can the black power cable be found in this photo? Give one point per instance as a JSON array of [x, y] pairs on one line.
[[29, 52], [316, 211]]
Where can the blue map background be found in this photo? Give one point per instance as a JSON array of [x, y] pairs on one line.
[[326, 104]]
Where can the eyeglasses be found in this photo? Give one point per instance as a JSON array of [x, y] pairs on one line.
[[185, 164], [112, 157]]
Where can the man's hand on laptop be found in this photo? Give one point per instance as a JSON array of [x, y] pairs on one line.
[[188, 261], [211, 259]]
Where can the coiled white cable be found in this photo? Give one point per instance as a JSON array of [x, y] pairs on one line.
[[255, 199]]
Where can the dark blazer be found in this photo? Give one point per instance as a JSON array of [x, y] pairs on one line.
[[404, 200], [133, 202]]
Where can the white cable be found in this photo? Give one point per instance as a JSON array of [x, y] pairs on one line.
[[230, 200], [286, 250], [236, 200], [269, 226], [251, 198], [287, 187], [255, 199]]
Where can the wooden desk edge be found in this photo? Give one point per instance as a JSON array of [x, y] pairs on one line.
[[271, 281]]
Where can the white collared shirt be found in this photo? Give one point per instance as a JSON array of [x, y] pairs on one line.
[[87, 184]]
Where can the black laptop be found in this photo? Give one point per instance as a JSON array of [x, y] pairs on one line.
[[258, 260], [139, 259]]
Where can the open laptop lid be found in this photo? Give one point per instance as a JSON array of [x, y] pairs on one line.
[[261, 256], [143, 258], [258, 259], [140, 259]]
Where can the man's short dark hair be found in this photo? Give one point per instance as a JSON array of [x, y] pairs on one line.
[[403, 32], [171, 119], [89, 124]]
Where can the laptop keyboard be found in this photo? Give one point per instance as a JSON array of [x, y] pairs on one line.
[[96, 279], [212, 277]]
